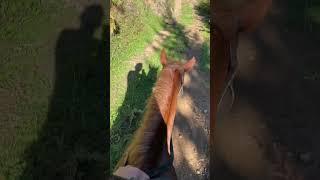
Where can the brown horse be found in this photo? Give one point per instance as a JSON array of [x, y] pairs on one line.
[[232, 17], [150, 154]]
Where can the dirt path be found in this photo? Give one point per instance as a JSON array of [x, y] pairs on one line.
[[191, 131]]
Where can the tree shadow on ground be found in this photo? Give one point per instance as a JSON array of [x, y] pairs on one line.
[[177, 43], [177, 46], [139, 88], [203, 10], [72, 142]]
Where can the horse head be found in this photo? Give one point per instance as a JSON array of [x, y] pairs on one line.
[[169, 85]]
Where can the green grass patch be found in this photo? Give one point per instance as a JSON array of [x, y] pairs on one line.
[[186, 18], [137, 30], [41, 139], [21, 19], [24, 27], [139, 87], [205, 50], [29, 91], [177, 43], [205, 57], [203, 10], [130, 86]]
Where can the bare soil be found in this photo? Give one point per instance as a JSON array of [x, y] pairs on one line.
[[191, 130]]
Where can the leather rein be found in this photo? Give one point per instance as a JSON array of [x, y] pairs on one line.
[[232, 67]]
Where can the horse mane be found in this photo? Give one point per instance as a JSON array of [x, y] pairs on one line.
[[149, 143]]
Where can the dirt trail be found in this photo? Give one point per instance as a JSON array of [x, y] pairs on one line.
[[191, 131]]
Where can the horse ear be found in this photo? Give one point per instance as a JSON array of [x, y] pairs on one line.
[[163, 57], [189, 65]]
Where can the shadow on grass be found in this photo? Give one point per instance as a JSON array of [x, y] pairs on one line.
[[205, 57], [72, 142], [139, 88], [176, 44], [203, 10]]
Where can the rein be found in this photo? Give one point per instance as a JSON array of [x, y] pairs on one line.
[[232, 65]]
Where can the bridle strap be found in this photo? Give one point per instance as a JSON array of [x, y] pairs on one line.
[[232, 62]]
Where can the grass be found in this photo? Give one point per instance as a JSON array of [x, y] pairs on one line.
[[129, 87], [136, 31], [203, 10], [186, 18], [177, 43], [22, 16], [139, 87], [34, 144], [20, 79], [205, 49], [205, 57]]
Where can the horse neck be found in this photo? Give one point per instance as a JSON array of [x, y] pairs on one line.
[[148, 148]]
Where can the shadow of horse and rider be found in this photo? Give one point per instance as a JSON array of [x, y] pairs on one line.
[[139, 88], [72, 141]]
